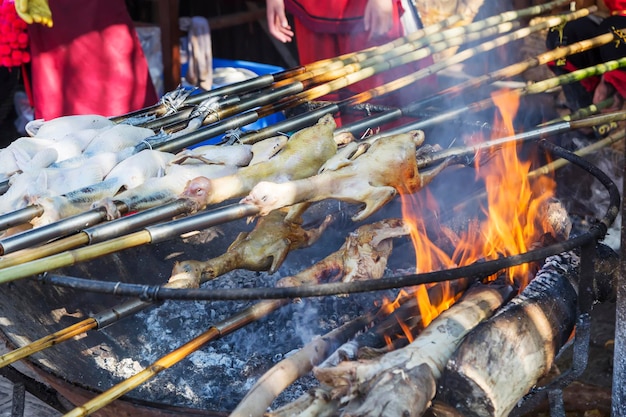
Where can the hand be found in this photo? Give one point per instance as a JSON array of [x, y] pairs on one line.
[[378, 17], [605, 91], [277, 20], [34, 11]]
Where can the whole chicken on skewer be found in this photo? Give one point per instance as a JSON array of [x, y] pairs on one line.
[[305, 152], [61, 126], [262, 249], [363, 256], [128, 174], [32, 153], [389, 166], [147, 179]]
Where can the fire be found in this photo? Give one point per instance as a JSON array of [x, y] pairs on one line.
[[510, 223]]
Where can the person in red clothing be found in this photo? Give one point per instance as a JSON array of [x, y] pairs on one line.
[[89, 62], [329, 28], [610, 84]]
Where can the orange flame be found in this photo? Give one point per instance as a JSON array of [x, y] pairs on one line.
[[509, 227]]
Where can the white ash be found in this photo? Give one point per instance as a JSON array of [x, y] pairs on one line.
[[217, 376]]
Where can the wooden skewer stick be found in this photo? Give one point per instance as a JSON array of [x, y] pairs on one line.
[[267, 80], [151, 234], [296, 92], [249, 315]]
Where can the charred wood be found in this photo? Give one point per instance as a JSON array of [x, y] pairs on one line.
[[274, 381], [403, 382], [504, 357]]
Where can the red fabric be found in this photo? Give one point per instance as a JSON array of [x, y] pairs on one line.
[[329, 16], [617, 79], [615, 5], [315, 44], [13, 37], [89, 62]]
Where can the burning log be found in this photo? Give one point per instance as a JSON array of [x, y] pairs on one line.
[[274, 381], [403, 382], [374, 178], [500, 360]]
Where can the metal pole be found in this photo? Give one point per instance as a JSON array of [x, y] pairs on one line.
[[618, 403]]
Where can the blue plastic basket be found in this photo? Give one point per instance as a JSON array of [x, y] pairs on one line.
[[257, 68]]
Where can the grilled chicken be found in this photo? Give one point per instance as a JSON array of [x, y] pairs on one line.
[[389, 166], [303, 155], [262, 249], [363, 256]]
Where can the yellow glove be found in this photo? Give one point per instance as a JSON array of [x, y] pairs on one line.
[[34, 11]]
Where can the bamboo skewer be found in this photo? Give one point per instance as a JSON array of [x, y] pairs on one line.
[[252, 313], [151, 234], [267, 80]]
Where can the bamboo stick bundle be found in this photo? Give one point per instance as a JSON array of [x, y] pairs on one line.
[[267, 80], [536, 88], [452, 91], [515, 69], [307, 90], [296, 93]]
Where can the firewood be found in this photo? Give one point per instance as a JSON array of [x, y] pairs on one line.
[[403, 382], [500, 360], [280, 376], [315, 403]]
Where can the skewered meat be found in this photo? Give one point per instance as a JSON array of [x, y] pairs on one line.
[[128, 174], [61, 126], [302, 156], [131, 173], [48, 181], [26, 153], [237, 155], [363, 255], [163, 189], [117, 138], [389, 166], [262, 249]]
